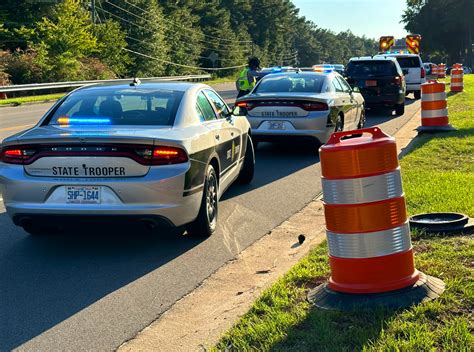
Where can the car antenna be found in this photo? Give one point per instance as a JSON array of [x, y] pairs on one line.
[[135, 82]]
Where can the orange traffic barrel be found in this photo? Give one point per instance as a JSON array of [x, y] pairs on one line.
[[3, 96], [434, 107], [457, 78], [367, 228], [442, 71], [434, 71]]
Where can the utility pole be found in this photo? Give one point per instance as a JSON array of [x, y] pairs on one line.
[[253, 49], [93, 11]]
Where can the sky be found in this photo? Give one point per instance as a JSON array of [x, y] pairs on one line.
[[372, 18]]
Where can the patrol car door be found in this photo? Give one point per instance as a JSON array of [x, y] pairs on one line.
[[229, 148], [343, 102], [354, 109]]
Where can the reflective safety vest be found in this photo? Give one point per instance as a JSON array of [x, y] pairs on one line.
[[243, 81]]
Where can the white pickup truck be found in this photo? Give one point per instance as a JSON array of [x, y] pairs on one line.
[[413, 70]]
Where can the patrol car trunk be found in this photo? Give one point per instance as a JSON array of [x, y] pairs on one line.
[[107, 153], [292, 105]]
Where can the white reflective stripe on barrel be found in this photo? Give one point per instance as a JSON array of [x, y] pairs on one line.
[[433, 96], [370, 244], [458, 75], [363, 189], [434, 113], [457, 84]]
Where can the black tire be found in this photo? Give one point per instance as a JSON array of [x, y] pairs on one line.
[[248, 169], [400, 109], [417, 94], [339, 124], [255, 143], [206, 221], [361, 123]]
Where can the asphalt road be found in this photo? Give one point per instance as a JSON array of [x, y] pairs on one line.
[[95, 288]]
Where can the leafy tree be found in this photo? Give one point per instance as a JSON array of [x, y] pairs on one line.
[[68, 37], [184, 36], [143, 23], [110, 41], [446, 27]]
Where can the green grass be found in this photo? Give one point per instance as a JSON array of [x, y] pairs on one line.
[[31, 99], [227, 79], [438, 175]]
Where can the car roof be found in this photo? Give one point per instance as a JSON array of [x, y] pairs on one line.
[[148, 84], [397, 55], [373, 58], [300, 74]]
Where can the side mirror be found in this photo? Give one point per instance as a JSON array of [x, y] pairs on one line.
[[356, 89], [239, 111]]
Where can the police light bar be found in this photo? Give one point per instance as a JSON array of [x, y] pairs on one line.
[[325, 68]]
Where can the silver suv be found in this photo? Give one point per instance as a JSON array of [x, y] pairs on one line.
[[413, 70]]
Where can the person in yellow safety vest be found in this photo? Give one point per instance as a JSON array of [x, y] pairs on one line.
[[248, 77]]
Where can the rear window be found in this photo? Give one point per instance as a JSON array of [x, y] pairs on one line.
[[112, 106], [371, 68], [411, 61], [291, 84]]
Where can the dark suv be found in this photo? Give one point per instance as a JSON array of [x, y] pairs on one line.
[[380, 80]]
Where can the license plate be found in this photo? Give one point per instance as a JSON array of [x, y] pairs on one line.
[[82, 195], [371, 83], [276, 125]]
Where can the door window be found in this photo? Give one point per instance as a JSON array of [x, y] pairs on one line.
[[221, 107], [345, 86], [204, 108], [337, 85]]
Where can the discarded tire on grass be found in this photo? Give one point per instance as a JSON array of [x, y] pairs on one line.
[[440, 222], [370, 251]]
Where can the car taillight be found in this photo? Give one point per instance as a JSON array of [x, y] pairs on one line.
[[16, 155], [423, 73], [168, 155], [315, 106], [397, 80], [162, 155], [245, 104]]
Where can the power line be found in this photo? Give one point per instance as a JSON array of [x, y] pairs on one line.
[[142, 27], [144, 42], [185, 66], [147, 20], [189, 29]]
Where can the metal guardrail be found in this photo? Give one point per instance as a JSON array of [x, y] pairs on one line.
[[72, 84]]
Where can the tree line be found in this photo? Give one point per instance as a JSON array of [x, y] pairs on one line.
[[446, 27], [59, 40]]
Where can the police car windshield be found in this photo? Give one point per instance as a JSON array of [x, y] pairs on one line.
[[112, 106], [409, 61], [371, 68], [296, 83]]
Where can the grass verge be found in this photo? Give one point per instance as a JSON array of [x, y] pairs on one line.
[[438, 175], [31, 99]]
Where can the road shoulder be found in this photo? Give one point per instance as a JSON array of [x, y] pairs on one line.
[[198, 320]]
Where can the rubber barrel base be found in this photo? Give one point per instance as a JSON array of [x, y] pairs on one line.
[[435, 129], [427, 288]]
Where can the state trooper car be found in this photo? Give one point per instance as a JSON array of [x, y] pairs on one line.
[[156, 152], [308, 105]]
